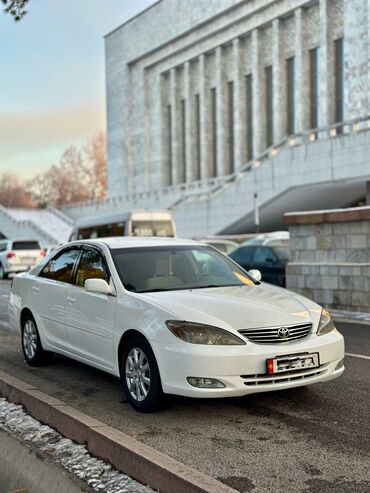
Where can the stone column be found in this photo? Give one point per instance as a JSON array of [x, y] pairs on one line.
[[189, 124], [221, 91], [279, 83], [239, 107], [204, 116], [356, 58], [258, 99], [301, 73], [174, 101], [326, 68]]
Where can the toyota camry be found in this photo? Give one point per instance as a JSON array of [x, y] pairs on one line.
[[171, 316]]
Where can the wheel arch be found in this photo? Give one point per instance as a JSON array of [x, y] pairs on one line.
[[124, 338], [24, 313]]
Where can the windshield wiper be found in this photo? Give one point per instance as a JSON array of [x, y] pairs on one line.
[[215, 286], [153, 290]]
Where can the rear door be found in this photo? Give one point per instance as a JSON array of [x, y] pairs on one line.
[[48, 294], [90, 316]]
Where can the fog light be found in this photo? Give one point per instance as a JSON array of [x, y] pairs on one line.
[[340, 364], [205, 383]]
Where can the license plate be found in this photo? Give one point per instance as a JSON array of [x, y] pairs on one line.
[[292, 363], [27, 260]]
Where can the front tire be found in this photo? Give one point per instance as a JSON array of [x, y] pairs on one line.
[[140, 376], [32, 349]]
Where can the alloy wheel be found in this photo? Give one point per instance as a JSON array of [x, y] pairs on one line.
[[137, 374], [30, 339]]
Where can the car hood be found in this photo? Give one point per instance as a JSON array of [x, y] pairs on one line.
[[239, 307]]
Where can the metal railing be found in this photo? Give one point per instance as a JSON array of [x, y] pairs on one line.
[[211, 186]]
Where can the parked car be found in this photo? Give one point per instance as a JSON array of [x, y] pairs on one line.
[[18, 256], [224, 246], [270, 258], [171, 317]]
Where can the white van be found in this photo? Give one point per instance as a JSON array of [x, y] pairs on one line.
[[133, 223]]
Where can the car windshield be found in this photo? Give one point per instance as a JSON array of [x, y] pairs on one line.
[[169, 268]]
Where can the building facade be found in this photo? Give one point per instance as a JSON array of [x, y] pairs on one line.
[[211, 103]]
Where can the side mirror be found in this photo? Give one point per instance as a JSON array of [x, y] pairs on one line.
[[256, 274], [270, 260], [98, 286]]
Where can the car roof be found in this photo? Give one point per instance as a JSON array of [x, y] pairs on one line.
[[116, 242], [218, 241], [121, 217]]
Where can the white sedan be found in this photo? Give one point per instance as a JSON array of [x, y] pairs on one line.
[[171, 317]]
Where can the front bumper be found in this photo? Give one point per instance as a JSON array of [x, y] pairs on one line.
[[242, 369]]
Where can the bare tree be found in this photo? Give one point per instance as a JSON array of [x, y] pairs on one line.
[[14, 192], [79, 176], [16, 8], [96, 159]]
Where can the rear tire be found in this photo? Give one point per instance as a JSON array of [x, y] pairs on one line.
[[3, 275], [32, 349], [140, 376]]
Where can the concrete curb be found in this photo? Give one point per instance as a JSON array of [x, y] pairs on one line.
[[126, 454]]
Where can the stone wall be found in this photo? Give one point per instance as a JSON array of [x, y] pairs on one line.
[[178, 55], [330, 257]]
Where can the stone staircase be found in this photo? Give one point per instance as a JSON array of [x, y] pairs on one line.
[[321, 168], [50, 226]]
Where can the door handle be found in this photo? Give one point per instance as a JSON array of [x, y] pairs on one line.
[[35, 290], [70, 300]]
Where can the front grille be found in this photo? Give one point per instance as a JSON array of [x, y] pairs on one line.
[[275, 335], [263, 379]]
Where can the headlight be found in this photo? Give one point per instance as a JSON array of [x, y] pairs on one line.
[[326, 324], [202, 334]]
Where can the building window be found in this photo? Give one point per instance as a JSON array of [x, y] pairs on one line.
[[290, 96], [169, 177], [197, 137], [231, 140], [214, 131], [338, 81], [314, 87], [183, 141], [249, 115], [269, 111]]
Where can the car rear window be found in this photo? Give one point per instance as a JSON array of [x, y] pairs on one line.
[[26, 245]]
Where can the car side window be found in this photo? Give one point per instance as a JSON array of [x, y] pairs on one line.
[[3, 246], [91, 266], [242, 255], [60, 268], [264, 255]]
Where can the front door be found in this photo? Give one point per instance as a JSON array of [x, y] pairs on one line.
[[89, 317], [266, 261]]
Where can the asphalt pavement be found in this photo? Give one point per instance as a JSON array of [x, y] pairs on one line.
[[314, 439]]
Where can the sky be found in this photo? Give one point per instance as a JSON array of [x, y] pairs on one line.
[[52, 87]]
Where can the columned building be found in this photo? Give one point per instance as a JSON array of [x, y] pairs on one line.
[[211, 103]]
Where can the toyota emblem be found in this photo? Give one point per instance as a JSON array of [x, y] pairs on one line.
[[283, 332]]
